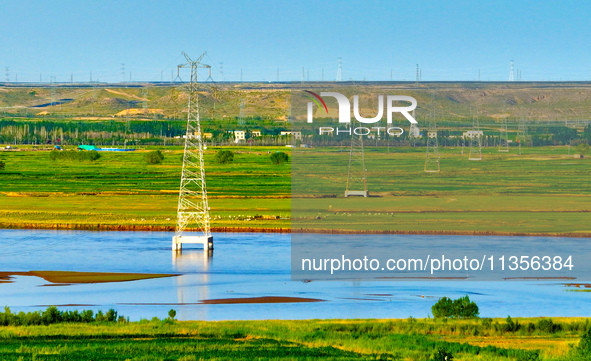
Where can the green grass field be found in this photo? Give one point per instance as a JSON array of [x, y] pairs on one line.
[[411, 339], [122, 189], [542, 191]]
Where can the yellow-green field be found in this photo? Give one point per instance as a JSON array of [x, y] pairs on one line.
[[544, 191], [411, 339]]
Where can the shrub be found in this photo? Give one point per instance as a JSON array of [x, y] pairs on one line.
[[279, 158], [510, 325], [460, 308], [2, 165], [442, 355], [91, 155], [584, 347], [548, 326], [224, 157], [154, 157]]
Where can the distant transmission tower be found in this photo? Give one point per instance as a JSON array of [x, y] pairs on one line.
[[417, 75], [145, 101], [52, 91], [340, 70], [241, 114], [356, 175], [432, 156], [193, 207], [522, 136], [475, 141], [7, 74], [122, 73], [504, 137], [511, 73]]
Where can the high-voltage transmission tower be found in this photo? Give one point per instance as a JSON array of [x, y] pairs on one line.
[[356, 175], [432, 156], [193, 208], [475, 141], [504, 137], [340, 70], [511, 73], [521, 133]]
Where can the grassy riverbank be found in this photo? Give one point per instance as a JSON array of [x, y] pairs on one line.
[[411, 339], [544, 191]]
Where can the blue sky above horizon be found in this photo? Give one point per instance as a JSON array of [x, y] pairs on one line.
[[449, 40]]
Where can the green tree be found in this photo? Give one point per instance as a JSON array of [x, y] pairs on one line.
[[464, 308], [224, 156], [443, 308], [2, 165], [172, 314], [279, 158], [111, 315], [154, 157], [51, 315], [460, 308]]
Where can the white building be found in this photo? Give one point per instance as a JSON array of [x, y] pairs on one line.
[[239, 135], [470, 134], [256, 133], [296, 135]]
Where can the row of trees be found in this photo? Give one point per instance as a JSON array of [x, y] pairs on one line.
[[154, 132], [52, 315]]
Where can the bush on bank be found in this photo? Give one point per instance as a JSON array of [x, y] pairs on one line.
[[65, 155]]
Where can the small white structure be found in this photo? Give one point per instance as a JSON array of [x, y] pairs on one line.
[[471, 134], [206, 241], [256, 133], [432, 134]]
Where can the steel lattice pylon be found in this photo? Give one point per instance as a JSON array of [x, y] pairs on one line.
[[356, 175], [432, 156], [504, 137], [193, 207], [475, 141], [522, 136]]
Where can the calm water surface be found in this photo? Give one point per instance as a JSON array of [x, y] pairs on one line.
[[243, 265]]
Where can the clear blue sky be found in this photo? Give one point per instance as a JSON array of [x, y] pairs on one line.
[[450, 40]]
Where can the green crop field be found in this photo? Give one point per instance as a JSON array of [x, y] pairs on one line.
[[411, 339], [122, 189], [544, 190]]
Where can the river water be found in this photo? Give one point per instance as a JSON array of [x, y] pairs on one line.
[[242, 266]]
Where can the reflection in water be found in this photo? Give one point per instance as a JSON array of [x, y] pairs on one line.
[[193, 284]]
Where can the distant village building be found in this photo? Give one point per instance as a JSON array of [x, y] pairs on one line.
[[239, 135], [195, 134], [296, 135], [256, 133], [432, 134], [470, 134]]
